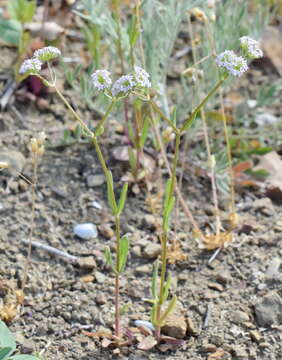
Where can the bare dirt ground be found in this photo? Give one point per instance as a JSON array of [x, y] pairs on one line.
[[233, 306]]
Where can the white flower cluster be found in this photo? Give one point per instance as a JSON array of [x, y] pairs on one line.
[[102, 81], [33, 65], [123, 85], [250, 48], [30, 66], [235, 65], [47, 53], [142, 77]]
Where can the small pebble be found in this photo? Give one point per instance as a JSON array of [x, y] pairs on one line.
[[255, 336], [144, 323], [85, 231], [152, 251], [106, 231]]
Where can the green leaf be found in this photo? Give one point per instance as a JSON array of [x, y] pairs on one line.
[[174, 115], [6, 337], [260, 151], [166, 288], [144, 133], [166, 215], [108, 257], [133, 31], [122, 199], [168, 311], [154, 280], [21, 10], [10, 31], [132, 159], [111, 194], [124, 247], [131, 134], [188, 123], [4, 353], [154, 314], [23, 357], [167, 192]]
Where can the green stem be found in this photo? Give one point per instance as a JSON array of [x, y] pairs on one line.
[[104, 118], [105, 170], [163, 273], [202, 103], [117, 285], [159, 111], [165, 238], [74, 113]]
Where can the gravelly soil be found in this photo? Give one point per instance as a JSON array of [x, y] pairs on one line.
[[62, 299]]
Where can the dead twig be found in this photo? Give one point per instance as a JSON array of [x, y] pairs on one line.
[[53, 251]]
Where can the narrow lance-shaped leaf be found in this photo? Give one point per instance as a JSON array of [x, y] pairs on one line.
[[167, 193], [168, 311], [154, 280], [4, 352], [111, 194], [166, 288], [108, 257], [174, 115], [188, 123], [167, 213], [133, 31], [144, 133], [132, 159], [122, 199], [124, 247], [154, 314]]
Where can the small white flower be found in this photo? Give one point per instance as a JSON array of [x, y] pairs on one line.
[[251, 48], [47, 53], [142, 77], [101, 80], [233, 64], [30, 66], [123, 85]]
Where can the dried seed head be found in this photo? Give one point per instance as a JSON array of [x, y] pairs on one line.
[[33, 145], [30, 66], [47, 53], [41, 138], [199, 14], [123, 85], [4, 165], [250, 48], [233, 64], [211, 4], [101, 80]]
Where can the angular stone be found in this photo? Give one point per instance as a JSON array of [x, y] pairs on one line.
[[152, 251], [269, 310], [175, 326]]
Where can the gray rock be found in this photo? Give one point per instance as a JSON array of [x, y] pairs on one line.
[[95, 180], [269, 310], [264, 205], [239, 317], [143, 269], [272, 271], [100, 278], [152, 251]]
